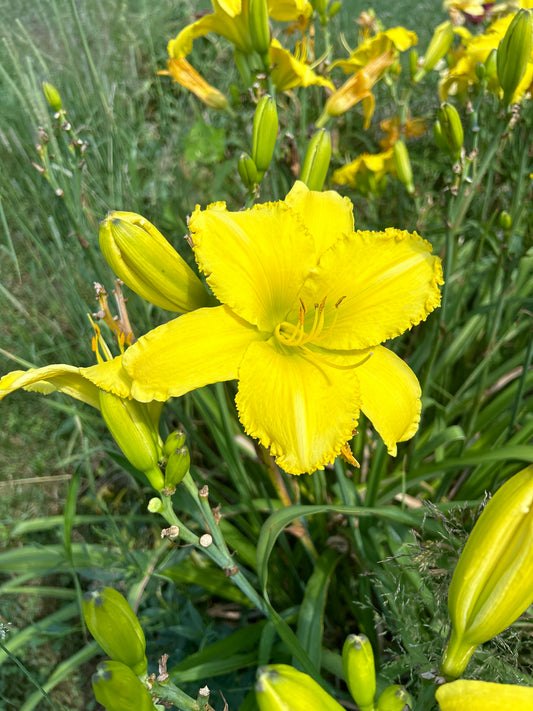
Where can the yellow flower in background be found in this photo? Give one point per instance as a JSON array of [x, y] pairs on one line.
[[484, 696], [298, 326], [188, 77], [291, 70], [289, 10], [367, 173], [413, 128], [357, 88], [396, 39]]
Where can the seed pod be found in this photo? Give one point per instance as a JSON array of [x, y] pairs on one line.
[[117, 688], [513, 53], [52, 95], [178, 465], [134, 432], [316, 161], [403, 165], [491, 586], [359, 670], [265, 132], [395, 698], [281, 687], [113, 624], [139, 255], [248, 171]]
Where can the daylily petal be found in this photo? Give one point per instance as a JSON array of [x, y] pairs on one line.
[[289, 10], [383, 283], [201, 347], [304, 409], [327, 215], [188, 77], [390, 396], [109, 376], [63, 378], [289, 71], [224, 21], [255, 260], [230, 7]]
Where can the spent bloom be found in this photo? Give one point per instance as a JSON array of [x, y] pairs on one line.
[[304, 305]]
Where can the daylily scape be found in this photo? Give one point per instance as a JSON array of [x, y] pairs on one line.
[[305, 303]]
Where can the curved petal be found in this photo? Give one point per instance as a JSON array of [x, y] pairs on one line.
[[229, 20], [327, 215], [181, 45], [201, 347], [289, 71], [256, 261], [62, 378], [109, 376], [289, 10], [383, 283], [304, 409], [390, 396]]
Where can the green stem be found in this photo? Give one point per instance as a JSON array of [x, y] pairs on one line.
[[170, 692]]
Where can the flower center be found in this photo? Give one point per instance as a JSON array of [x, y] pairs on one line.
[[296, 334]]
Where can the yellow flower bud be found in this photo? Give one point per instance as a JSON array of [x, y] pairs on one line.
[[491, 586], [144, 260], [281, 687], [51, 94], [451, 129], [265, 132], [248, 171], [259, 27], [403, 165], [135, 433], [316, 161], [113, 624], [117, 688], [394, 698], [178, 465], [359, 670], [513, 53], [484, 696], [439, 44]]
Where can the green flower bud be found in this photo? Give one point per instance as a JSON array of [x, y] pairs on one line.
[[513, 53], [491, 65], [174, 441], [316, 161], [51, 94], [359, 670], [117, 688], [403, 165], [243, 67], [484, 695], [133, 430], [334, 9], [144, 260], [178, 465], [481, 70], [259, 28], [280, 687], [491, 586], [248, 171], [395, 698], [155, 505], [265, 132], [413, 63], [440, 43], [113, 624], [451, 129], [505, 220]]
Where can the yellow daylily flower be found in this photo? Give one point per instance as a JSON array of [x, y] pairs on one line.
[[290, 70], [397, 39], [484, 696], [357, 88], [366, 172], [298, 326], [289, 10], [188, 77], [413, 128]]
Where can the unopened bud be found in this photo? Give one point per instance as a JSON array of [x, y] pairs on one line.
[[280, 687], [145, 261], [451, 129], [395, 698], [117, 688], [413, 63], [316, 161], [265, 132], [440, 43], [259, 27], [491, 586], [174, 441], [247, 171], [178, 465], [155, 505], [513, 53], [491, 67], [113, 624], [51, 94], [359, 670], [403, 165], [505, 220], [334, 8], [483, 695], [135, 433]]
